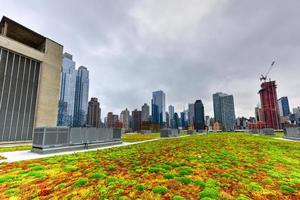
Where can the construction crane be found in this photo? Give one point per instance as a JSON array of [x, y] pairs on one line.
[[264, 77]]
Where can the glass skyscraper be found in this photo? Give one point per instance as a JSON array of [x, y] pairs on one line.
[[67, 91], [224, 110], [199, 115], [81, 97], [158, 107], [284, 108], [171, 114], [175, 121], [191, 114], [182, 118]]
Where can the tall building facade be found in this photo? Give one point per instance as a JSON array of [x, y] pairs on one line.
[[94, 113], [207, 120], [111, 120], [145, 113], [259, 115], [199, 122], [137, 120], [81, 97], [67, 91], [224, 110], [182, 118], [130, 122], [30, 66], [168, 120], [171, 114], [158, 107], [116, 121], [175, 122], [269, 105], [125, 119], [284, 107], [191, 114]]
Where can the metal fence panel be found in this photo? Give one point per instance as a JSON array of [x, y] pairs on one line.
[[63, 136], [38, 136], [292, 132], [46, 137], [116, 133], [93, 135], [50, 137], [75, 136], [169, 132]]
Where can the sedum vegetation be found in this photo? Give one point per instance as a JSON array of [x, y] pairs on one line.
[[217, 166], [15, 148], [139, 137]]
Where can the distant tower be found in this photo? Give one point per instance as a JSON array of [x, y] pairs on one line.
[[175, 123], [94, 113], [191, 114], [259, 115], [284, 108], [224, 110], [81, 97], [168, 120], [171, 115], [110, 120], [115, 121], [137, 119], [67, 91], [269, 105], [124, 118], [158, 107], [182, 118], [145, 113], [199, 115]]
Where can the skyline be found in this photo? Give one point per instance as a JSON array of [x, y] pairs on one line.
[[117, 43]]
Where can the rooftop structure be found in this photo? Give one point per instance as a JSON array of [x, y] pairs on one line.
[[30, 66]]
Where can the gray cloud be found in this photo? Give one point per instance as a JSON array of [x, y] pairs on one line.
[[189, 50]]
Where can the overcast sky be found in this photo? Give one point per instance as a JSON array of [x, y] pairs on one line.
[[189, 49]]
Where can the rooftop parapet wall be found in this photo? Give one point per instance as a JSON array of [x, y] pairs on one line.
[[169, 132], [60, 138], [292, 133]]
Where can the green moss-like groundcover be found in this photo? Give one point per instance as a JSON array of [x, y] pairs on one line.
[[15, 148], [217, 166], [127, 137]]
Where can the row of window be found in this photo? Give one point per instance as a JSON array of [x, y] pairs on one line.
[[19, 77]]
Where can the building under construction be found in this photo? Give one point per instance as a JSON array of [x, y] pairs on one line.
[[269, 105]]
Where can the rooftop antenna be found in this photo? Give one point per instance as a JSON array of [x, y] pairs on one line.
[[264, 77]]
